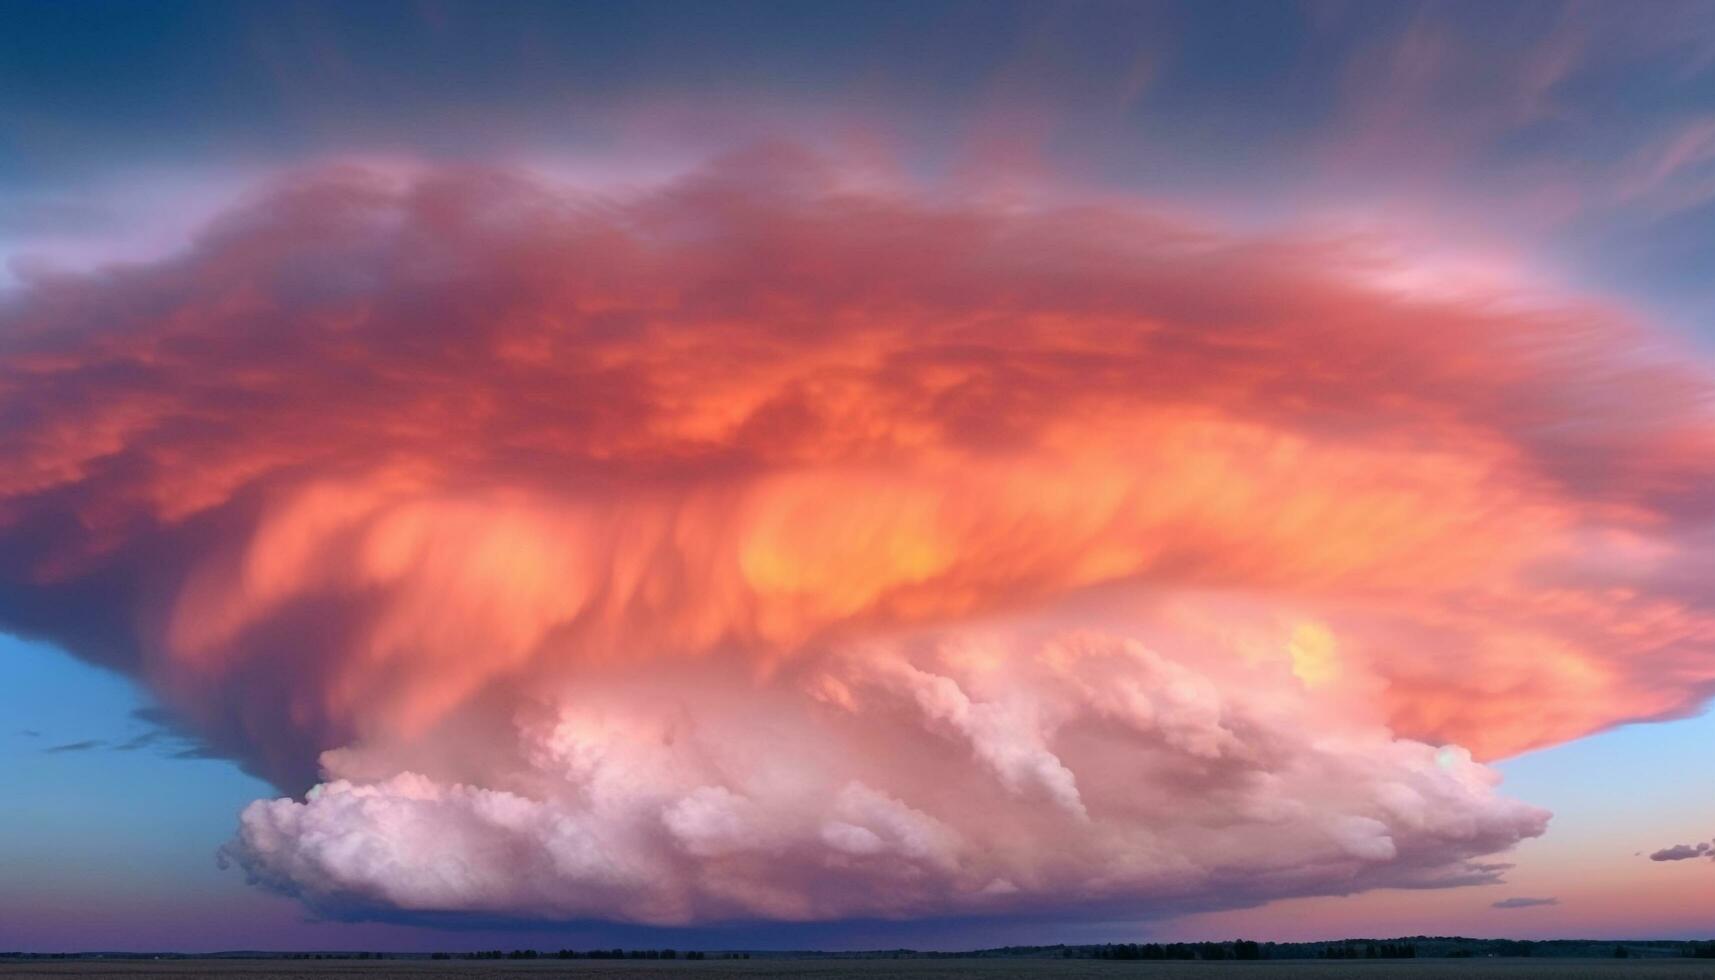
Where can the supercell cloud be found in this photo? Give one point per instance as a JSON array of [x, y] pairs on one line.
[[769, 544]]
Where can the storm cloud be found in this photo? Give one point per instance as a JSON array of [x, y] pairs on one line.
[[772, 544]]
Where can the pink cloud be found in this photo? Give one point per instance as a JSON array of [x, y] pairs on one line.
[[971, 776], [768, 544]]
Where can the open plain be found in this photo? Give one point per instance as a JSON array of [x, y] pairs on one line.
[[1541, 968]]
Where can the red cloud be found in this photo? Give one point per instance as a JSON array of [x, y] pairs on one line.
[[389, 465]]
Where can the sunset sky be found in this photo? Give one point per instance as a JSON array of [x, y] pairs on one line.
[[753, 475]]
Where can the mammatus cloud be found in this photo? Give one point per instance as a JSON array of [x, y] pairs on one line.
[[766, 544], [1524, 903], [1684, 852]]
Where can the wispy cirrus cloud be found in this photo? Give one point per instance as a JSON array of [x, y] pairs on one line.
[[1524, 903]]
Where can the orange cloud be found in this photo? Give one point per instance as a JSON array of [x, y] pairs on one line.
[[386, 459]]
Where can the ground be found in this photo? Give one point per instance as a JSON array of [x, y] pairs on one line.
[[907, 969]]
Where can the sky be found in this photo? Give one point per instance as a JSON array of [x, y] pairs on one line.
[[758, 475]]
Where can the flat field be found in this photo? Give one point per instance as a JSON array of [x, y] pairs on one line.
[[1541, 968]]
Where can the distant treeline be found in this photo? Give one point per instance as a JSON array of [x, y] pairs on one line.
[[1238, 949], [590, 954], [1371, 949], [1410, 947]]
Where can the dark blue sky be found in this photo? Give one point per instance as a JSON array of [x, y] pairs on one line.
[[1534, 120]]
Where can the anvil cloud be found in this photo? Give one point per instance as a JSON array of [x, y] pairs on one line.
[[772, 544]]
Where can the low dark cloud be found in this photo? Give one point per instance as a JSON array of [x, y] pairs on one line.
[[1524, 903], [160, 736], [1683, 852], [142, 741], [166, 737], [29, 733], [153, 715]]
